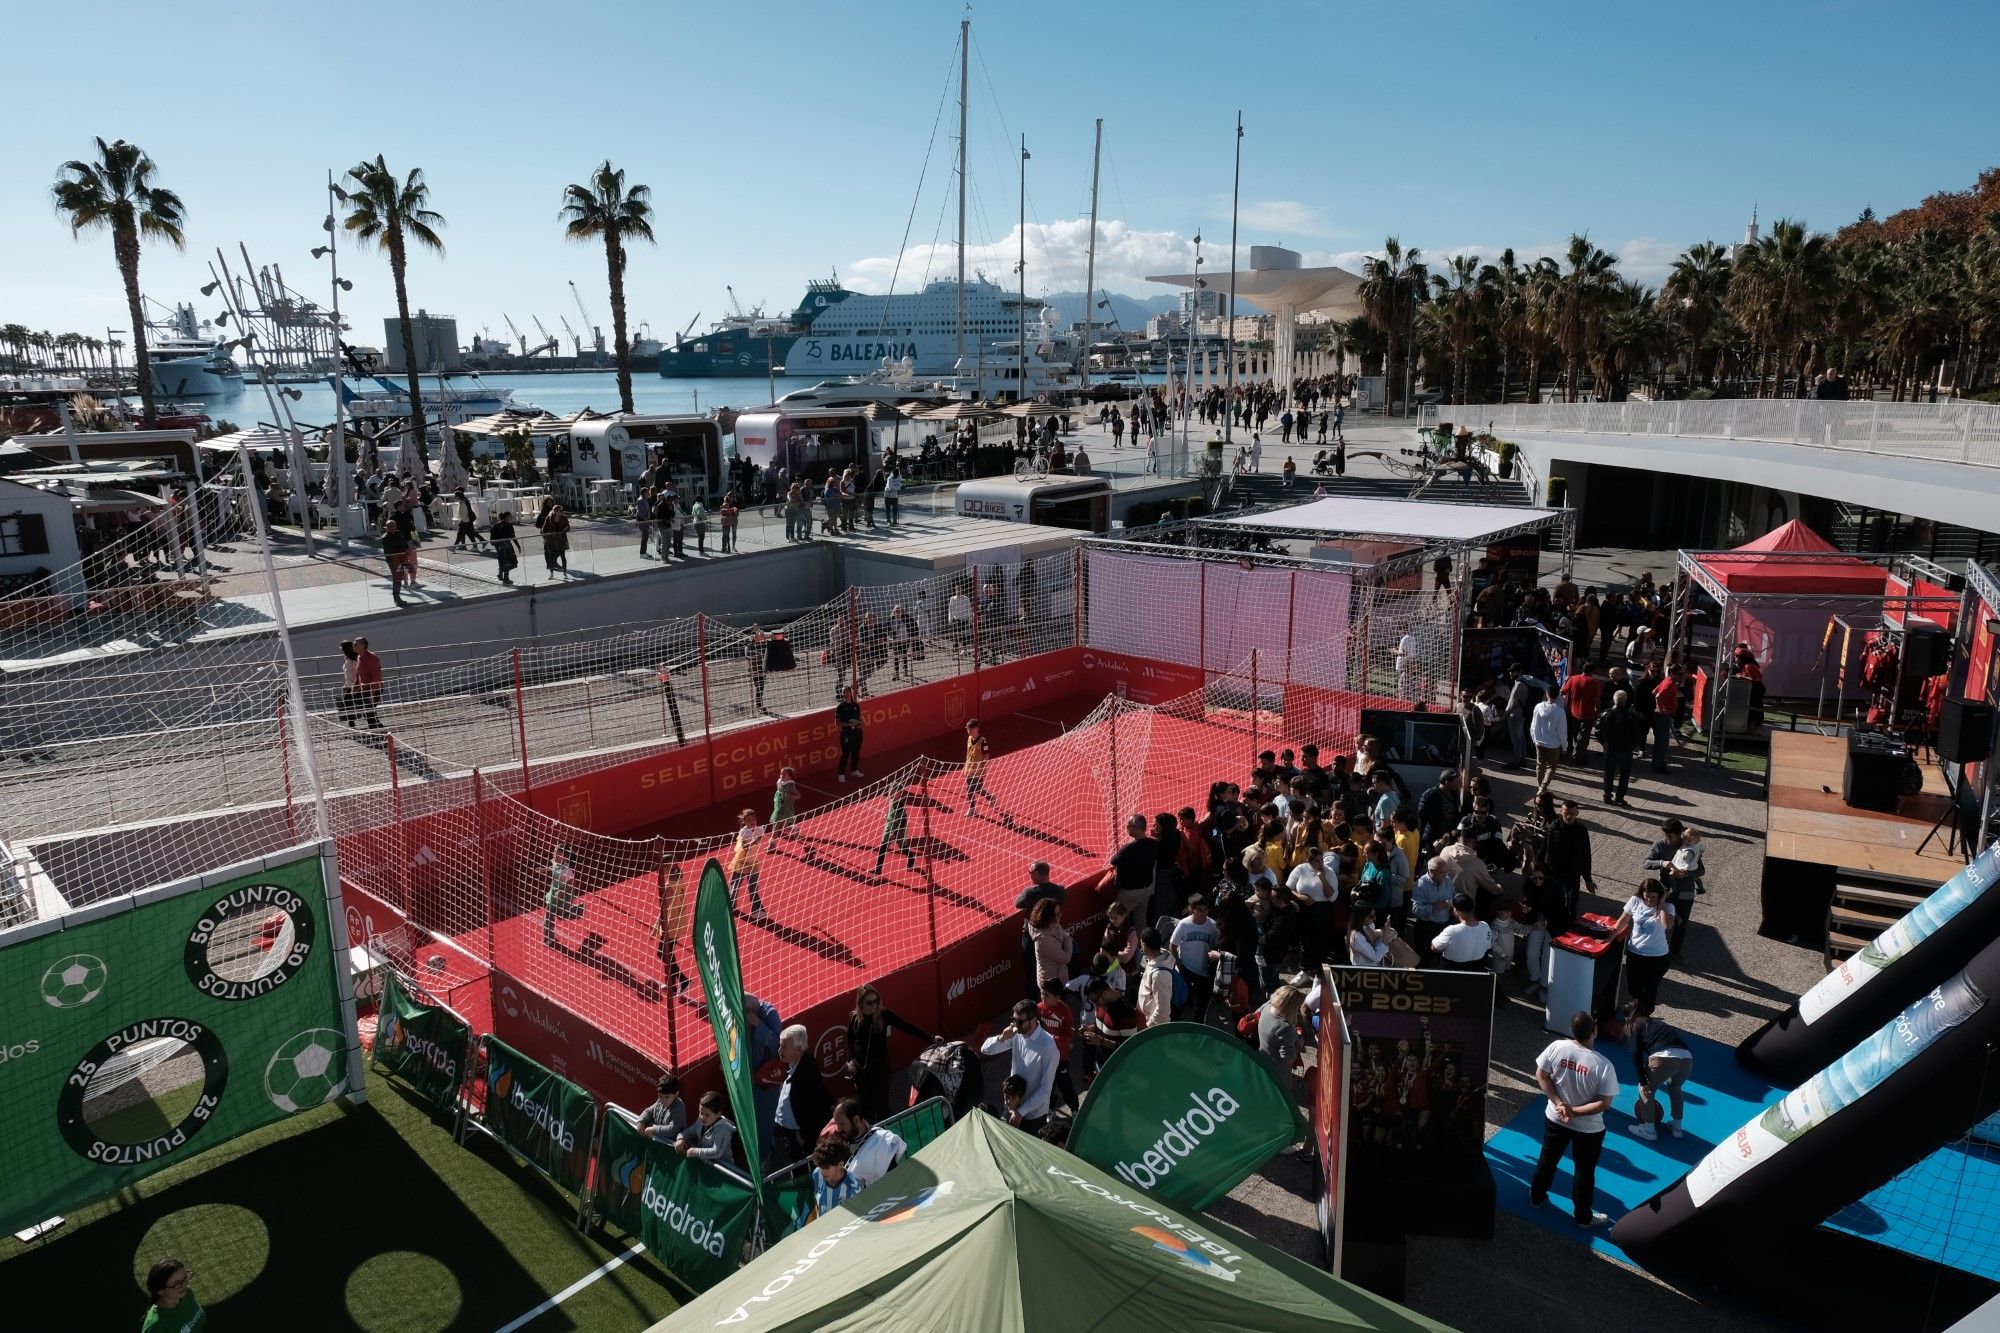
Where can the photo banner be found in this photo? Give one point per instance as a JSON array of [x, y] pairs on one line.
[[425, 1045], [721, 972], [1186, 1112], [1330, 1093], [692, 1216], [136, 1034], [1421, 1042], [539, 1114]]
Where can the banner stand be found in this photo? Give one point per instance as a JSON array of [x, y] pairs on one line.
[[482, 1123], [455, 1106]]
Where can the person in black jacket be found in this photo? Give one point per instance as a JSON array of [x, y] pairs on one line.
[[868, 1062], [1619, 728], [1566, 855], [804, 1104], [1439, 811]]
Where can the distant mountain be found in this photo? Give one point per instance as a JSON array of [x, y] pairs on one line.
[[1132, 311]]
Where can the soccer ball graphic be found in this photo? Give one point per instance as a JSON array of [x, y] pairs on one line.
[[309, 1070], [73, 981]]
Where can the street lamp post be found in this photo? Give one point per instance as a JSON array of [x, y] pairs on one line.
[[346, 520]]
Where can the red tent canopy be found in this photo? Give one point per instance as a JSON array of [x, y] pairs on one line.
[[1773, 564]]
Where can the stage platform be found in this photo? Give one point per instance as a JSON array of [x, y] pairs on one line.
[[1813, 839]]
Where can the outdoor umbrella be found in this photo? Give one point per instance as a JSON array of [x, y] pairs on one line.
[[989, 1228]]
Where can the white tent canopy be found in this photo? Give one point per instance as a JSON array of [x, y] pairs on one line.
[[1416, 519]]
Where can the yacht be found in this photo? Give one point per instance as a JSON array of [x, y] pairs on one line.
[[190, 361], [893, 383], [1046, 371]]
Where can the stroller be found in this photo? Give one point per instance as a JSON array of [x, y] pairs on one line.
[[948, 1069]]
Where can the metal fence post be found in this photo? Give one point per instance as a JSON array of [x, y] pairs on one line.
[[485, 855], [667, 946], [1256, 707], [521, 724], [930, 896], [285, 765], [402, 830]]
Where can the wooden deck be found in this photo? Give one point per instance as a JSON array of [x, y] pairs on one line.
[[1808, 822]]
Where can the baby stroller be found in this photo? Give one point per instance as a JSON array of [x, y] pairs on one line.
[[948, 1069]]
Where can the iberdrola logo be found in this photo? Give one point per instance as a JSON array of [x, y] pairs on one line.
[[724, 1000], [917, 1205], [1168, 1243]]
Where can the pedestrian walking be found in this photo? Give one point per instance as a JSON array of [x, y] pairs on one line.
[[506, 546], [468, 521], [731, 508], [555, 539], [368, 683]]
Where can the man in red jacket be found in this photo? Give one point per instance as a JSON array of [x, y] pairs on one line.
[[368, 682], [1581, 694]]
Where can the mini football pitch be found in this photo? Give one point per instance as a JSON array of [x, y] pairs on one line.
[[341, 1218]]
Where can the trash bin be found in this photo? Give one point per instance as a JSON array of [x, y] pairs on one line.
[[1583, 972]]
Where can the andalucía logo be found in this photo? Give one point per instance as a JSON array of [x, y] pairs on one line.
[[1169, 1243], [917, 1205], [701, 1232]]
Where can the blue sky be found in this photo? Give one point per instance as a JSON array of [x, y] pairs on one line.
[[784, 140]]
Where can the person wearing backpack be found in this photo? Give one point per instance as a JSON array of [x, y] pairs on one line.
[[1197, 939], [1161, 986]]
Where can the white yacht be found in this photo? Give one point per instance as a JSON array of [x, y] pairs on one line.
[[1002, 372], [190, 362]]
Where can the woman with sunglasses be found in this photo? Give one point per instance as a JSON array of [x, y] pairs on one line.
[[174, 1310], [868, 1062]]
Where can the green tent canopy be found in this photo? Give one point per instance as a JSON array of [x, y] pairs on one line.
[[989, 1228]]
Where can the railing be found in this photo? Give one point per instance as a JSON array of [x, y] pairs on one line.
[[1954, 432]]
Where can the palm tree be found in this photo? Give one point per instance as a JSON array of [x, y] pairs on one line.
[[1463, 296], [1630, 337], [1542, 300], [15, 336], [606, 208], [1782, 293], [1581, 297], [1694, 294], [392, 213], [1391, 285], [117, 192]]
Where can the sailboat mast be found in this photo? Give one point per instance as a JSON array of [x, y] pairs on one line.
[[1021, 268], [964, 63], [1090, 263]]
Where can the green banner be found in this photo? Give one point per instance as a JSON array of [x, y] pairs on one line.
[[692, 1217], [1185, 1112], [539, 1114], [425, 1045], [715, 960], [138, 1033]]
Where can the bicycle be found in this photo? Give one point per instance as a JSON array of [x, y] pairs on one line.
[[1035, 465]]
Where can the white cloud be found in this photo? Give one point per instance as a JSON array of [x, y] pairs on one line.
[[1057, 255], [1283, 216]]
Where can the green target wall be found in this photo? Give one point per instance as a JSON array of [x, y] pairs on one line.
[[143, 1030]]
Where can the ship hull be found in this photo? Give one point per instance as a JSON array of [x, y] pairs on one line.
[[745, 358]]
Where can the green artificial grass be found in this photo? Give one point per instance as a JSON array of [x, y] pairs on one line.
[[363, 1218]]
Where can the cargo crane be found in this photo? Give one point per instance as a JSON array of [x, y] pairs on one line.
[[596, 330], [576, 339], [520, 338], [548, 344]]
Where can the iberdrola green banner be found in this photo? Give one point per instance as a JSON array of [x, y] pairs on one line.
[[692, 1216], [425, 1045], [145, 1029], [715, 961], [539, 1114], [1186, 1112]]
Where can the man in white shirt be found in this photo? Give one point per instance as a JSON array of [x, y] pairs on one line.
[[1196, 941], [1034, 1059], [1406, 665], [958, 618], [875, 1150], [1548, 728], [1156, 979], [1580, 1085], [1464, 943]]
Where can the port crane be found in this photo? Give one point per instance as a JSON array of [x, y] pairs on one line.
[[548, 343], [520, 338], [596, 330]]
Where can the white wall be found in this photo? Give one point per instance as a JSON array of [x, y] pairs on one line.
[[58, 520]]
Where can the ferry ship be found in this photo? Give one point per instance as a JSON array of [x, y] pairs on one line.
[[749, 344], [862, 332]]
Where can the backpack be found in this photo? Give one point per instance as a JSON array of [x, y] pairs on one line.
[[1246, 1026], [949, 1070], [1181, 992]]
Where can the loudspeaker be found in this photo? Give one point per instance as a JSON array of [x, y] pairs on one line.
[[1874, 775], [1926, 652], [1965, 732]]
